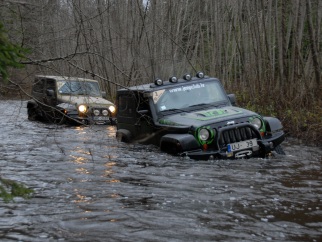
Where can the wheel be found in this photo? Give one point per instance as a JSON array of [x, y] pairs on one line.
[[32, 114], [55, 117], [201, 157], [279, 150], [59, 118], [113, 121], [123, 135]]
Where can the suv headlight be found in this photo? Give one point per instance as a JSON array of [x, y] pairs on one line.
[[82, 108], [204, 134], [256, 122], [112, 109]]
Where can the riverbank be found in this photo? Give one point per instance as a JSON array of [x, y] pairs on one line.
[[302, 123]]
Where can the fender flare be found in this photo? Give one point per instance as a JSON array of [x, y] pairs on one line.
[[273, 124], [123, 135], [178, 143], [32, 104]]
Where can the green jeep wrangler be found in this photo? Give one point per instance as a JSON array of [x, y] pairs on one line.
[[60, 99], [194, 116]]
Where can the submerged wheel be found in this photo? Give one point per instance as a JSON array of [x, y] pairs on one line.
[[32, 114], [279, 150], [59, 118], [55, 117], [113, 121]]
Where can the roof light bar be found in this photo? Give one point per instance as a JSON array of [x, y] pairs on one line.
[[187, 77], [200, 74], [173, 79], [158, 82]]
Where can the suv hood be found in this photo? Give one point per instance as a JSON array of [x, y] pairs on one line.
[[88, 100], [205, 117]]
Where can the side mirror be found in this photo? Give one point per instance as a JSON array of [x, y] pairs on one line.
[[232, 99], [104, 95], [50, 92]]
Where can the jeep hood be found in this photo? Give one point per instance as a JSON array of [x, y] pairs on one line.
[[205, 117], [88, 100]]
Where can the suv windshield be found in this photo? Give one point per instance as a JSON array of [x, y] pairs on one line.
[[199, 94], [79, 88]]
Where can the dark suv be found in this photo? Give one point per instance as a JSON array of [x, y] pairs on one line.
[[194, 117], [78, 100]]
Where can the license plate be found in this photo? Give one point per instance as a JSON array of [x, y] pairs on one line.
[[100, 118], [247, 144]]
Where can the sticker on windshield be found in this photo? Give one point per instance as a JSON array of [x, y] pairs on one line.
[[156, 95], [187, 88]]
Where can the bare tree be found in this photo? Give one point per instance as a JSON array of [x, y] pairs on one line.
[[267, 48]]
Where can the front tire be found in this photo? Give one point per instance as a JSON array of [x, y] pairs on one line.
[[279, 150], [32, 114], [55, 117]]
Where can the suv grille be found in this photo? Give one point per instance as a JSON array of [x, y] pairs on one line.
[[99, 109], [237, 134]]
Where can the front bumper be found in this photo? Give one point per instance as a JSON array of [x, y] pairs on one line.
[[91, 119], [265, 146]]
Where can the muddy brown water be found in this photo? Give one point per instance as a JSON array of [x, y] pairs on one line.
[[89, 187]]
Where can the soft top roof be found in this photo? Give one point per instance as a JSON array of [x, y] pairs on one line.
[[151, 87], [64, 78]]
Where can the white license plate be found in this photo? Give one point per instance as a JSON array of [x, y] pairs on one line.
[[100, 118], [247, 144]]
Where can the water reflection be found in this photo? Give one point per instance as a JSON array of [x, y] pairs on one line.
[[81, 198], [89, 187], [78, 160]]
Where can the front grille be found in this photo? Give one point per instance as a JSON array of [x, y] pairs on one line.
[[99, 109], [237, 134]]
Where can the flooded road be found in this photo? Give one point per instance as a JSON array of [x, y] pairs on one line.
[[89, 187]]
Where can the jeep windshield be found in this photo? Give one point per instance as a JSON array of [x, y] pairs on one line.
[[189, 97], [79, 88]]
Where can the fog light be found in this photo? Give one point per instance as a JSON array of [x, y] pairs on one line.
[[105, 112], [96, 112]]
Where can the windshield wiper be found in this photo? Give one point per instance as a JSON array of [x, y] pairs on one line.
[[216, 105], [200, 104], [172, 110]]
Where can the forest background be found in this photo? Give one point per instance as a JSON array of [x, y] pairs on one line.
[[267, 52]]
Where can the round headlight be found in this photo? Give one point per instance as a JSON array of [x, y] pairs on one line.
[[200, 74], [173, 79], [112, 109], [105, 112], [82, 108], [158, 82], [256, 122], [96, 112], [204, 134], [187, 77]]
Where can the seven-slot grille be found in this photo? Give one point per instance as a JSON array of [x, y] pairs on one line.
[[237, 134]]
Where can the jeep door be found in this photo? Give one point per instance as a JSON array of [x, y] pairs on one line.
[[50, 95], [133, 115]]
